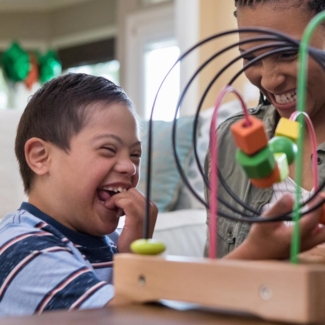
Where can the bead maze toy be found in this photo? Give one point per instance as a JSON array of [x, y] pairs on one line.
[[274, 290]]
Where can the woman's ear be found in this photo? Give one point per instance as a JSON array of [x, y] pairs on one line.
[[37, 155]]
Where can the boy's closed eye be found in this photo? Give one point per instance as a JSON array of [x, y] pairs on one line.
[[109, 149]]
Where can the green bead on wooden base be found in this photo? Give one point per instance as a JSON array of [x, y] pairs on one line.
[[284, 145], [147, 247]]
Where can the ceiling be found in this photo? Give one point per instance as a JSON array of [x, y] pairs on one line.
[[36, 5]]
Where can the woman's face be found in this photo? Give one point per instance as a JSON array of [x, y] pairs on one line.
[[276, 76]]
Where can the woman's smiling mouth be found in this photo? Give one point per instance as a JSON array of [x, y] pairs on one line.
[[286, 98]]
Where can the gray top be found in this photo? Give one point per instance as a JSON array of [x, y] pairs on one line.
[[232, 233]]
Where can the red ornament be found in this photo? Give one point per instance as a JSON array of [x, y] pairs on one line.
[[32, 76]]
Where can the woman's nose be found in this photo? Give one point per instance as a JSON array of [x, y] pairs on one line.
[[272, 78]]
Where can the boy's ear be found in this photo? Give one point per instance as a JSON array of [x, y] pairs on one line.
[[37, 155]]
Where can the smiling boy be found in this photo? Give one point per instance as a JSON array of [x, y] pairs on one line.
[[79, 152]]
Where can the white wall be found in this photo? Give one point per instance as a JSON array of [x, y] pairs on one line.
[[187, 23], [72, 25], [11, 188], [89, 21]]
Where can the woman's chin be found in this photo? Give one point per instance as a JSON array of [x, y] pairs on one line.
[[285, 110]]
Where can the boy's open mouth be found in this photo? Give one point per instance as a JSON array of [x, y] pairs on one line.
[[105, 194]]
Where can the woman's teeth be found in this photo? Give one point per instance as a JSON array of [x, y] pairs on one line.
[[286, 98]]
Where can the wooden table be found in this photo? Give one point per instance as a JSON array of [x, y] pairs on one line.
[[124, 312], [134, 314]]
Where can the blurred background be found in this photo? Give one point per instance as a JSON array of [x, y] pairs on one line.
[[131, 42]]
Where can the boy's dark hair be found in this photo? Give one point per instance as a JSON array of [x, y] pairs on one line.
[[314, 5], [57, 111]]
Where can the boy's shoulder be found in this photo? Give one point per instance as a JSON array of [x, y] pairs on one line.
[[22, 224], [19, 218], [65, 279]]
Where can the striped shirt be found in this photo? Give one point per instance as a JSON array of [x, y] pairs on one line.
[[47, 266]]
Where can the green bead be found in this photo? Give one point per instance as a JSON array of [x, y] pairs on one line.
[[147, 247], [282, 162], [257, 166], [282, 144]]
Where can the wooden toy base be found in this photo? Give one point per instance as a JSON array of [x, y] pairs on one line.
[[272, 290]]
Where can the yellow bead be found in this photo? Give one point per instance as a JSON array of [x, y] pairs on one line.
[[288, 128], [147, 247]]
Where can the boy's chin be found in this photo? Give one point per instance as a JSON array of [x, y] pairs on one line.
[[105, 229], [108, 222]]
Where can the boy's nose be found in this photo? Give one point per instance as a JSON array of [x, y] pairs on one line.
[[126, 166]]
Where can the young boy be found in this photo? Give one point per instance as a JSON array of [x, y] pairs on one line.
[[79, 152]]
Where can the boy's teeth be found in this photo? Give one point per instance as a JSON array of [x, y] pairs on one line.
[[115, 189]]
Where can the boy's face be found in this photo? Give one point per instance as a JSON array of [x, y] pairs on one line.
[[104, 157]]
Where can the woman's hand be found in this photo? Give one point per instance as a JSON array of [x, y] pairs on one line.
[[273, 240]]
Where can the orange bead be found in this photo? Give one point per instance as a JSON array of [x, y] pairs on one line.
[[267, 181], [250, 139]]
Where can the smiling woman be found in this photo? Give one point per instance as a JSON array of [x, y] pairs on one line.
[[276, 78]]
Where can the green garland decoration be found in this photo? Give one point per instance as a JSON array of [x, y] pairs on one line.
[[17, 64], [49, 66]]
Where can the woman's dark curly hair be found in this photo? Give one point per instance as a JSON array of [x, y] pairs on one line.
[[314, 5]]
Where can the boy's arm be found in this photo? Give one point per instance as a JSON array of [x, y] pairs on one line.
[[133, 203], [41, 272], [273, 240]]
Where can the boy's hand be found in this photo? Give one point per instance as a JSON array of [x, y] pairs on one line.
[[133, 203], [272, 240]]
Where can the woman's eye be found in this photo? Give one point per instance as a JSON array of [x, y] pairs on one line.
[[289, 55], [248, 58]]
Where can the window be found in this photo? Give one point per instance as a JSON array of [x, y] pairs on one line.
[[159, 57], [150, 51], [3, 91]]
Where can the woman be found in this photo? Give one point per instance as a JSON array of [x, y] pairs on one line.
[[276, 77]]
